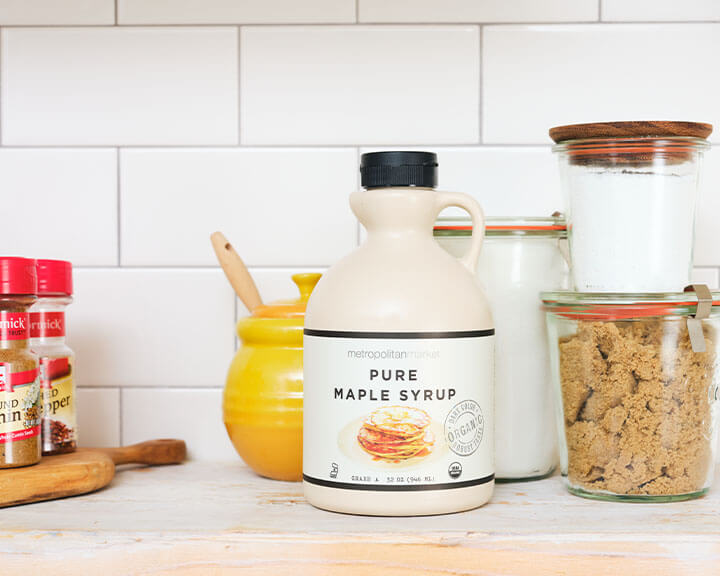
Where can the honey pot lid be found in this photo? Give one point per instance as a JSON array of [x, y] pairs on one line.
[[294, 308]]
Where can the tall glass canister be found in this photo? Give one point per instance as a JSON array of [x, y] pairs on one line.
[[520, 258]]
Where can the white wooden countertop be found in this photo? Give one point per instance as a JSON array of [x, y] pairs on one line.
[[219, 518]]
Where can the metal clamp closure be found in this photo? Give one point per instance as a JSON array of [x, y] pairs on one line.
[[694, 321]]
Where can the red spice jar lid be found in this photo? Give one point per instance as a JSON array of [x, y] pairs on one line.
[[17, 275], [54, 278]]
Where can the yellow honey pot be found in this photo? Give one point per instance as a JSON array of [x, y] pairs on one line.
[[263, 399]]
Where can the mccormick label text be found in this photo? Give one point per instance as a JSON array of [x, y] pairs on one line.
[[47, 324], [14, 325]]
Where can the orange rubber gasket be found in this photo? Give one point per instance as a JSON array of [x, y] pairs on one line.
[[554, 227], [618, 311]]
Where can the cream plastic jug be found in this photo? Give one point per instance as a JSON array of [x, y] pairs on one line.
[[398, 357]]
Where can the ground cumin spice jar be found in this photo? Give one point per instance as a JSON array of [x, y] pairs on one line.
[[637, 383], [47, 332], [19, 384]]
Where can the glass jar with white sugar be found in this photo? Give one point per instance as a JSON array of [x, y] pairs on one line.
[[630, 190], [520, 258]]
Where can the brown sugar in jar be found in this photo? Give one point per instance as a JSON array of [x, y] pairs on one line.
[[20, 407], [637, 400]]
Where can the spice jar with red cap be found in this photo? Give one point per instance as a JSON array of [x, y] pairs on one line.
[[47, 329], [19, 385]]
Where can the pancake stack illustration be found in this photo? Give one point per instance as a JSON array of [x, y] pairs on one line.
[[396, 433]]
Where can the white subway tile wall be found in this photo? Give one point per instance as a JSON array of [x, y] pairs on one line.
[[193, 415], [97, 86], [707, 276], [707, 232], [73, 197], [535, 77], [281, 207], [236, 11], [132, 129], [477, 11], [56, 12], [134, 327], [660, 10], [359, 85], [98, 416]]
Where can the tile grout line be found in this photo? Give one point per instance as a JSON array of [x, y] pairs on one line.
[[193, 388], [256, 267], [2, 86], [118, 207], [456, 23], [288, 147], [481, 36], [600, 11], [239, 86], [357, 11], [116, 12], [358, 185], [196, 267], [121, 393]]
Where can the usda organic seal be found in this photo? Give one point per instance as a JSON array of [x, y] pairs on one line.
[[464, 427]]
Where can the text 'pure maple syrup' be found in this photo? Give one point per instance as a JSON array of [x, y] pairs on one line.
[[398, 357]]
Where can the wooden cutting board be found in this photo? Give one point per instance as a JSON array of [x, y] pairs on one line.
[[80, 472]]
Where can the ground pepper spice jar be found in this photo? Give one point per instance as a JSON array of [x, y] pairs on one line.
[[47, 331], [19, 383]]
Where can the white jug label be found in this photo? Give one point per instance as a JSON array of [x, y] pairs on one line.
[[398, 411]]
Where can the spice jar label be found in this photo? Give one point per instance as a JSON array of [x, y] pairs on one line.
[[58, 402], [14, 325], [47, 324], [19, 404], [398, 413]]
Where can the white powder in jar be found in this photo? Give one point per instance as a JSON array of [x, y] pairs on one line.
[[630, 231], [514, 270]]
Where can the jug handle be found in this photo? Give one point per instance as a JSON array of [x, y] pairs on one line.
[[472, 207]]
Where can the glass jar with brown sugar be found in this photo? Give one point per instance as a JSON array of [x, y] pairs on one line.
[[19, 383], [636, 379]]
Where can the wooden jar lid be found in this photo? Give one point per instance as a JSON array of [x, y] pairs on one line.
[[643, 129]]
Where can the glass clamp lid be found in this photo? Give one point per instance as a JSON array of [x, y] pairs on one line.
[[615, 306], [625, 306], [638, 143], [548, 227]]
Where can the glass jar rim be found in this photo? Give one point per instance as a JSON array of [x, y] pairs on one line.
[[634, 145], [536, 226], [623, 306]]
